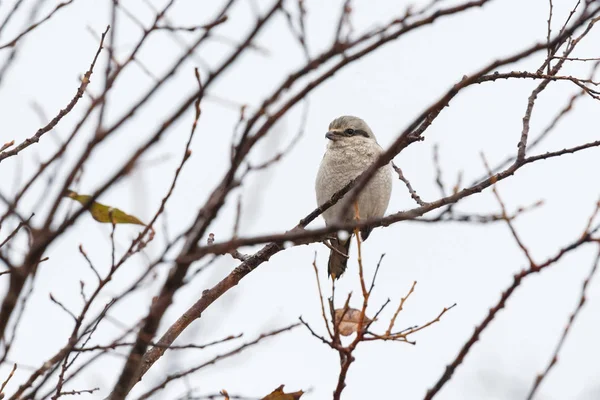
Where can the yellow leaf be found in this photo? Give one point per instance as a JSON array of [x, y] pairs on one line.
[[348, 321], [278, 394], [104, 213]]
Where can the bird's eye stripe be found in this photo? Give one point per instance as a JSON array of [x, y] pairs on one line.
[[354, 132]]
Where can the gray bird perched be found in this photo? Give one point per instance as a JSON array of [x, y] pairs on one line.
[[352, 148]]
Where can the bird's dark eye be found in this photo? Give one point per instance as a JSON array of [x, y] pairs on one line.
[[349, 131]]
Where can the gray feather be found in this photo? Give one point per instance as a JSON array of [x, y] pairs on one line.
[[346, 158]]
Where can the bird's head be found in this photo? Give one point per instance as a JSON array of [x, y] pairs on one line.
[[349, 130]]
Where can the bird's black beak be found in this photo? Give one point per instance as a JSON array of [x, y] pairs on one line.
[[330, 135]]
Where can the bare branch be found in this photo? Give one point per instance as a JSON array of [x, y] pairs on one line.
[[554, 359], [78, 95]]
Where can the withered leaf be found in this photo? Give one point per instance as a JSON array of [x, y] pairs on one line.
[[278, 394], [103, 213], [348, 322]]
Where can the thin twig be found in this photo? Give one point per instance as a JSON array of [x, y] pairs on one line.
[[554, 359], [78, 95]]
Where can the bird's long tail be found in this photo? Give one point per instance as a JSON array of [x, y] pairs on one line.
[[338, 258]]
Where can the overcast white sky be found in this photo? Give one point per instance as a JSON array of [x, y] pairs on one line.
[[453, 263]]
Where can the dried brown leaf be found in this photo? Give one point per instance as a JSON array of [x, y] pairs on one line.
[[278, 394], [350, 320]]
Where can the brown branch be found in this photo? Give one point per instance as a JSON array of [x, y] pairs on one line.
[[78, 95], [415, 130], [400, 308], [14, 41], [12, 57], [210, 295], [549, 33], [344, 19], [577, 58], [217, 199], [413, 193], [15, 231], [13, 11], [540, 377], [494, 310], [410, 331], [75, 392], [131, 372], [104, 133], [325, 319], [558, 153], [89, 362], [475, 218], [438, 170], [10, 375], [204, 27], [206, 214], [115, 345], [304, 236], [347, 321], [7, 145], [509, 223], [237, 350]]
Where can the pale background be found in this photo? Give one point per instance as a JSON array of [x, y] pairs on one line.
[[466, 264]]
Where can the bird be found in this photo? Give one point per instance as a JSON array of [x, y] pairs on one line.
[[351, 149]]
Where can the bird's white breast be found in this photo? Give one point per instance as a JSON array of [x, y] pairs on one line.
[[339, 166]]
